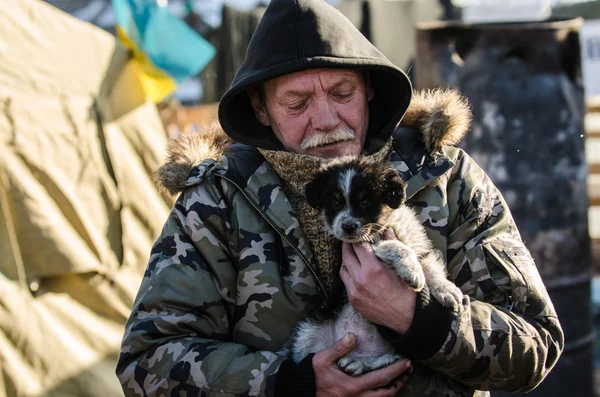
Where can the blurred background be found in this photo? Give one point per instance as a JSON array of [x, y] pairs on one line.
[[91, 91]]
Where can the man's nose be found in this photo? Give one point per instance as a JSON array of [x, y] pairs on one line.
[[325, 117]]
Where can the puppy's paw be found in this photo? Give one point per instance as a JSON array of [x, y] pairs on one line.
[[351, 366], [403, 260], [359, 365], [449, 295], [415, 278], [381, 361]]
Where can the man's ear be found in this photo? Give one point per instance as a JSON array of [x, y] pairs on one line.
[[314, 191], [258, 105], [394, 189], [368, 86]]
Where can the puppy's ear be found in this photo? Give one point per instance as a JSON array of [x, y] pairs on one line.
[[394, 189], [314, 191]]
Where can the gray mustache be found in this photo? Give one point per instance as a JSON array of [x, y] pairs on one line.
[[327, 138]]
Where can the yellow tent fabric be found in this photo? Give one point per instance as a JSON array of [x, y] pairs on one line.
[[78, 209]]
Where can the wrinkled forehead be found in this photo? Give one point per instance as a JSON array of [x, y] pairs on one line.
[[307, 81]]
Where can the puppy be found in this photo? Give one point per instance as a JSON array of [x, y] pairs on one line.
[[358, 200]]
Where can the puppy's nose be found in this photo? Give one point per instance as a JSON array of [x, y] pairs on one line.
[[349, 226]]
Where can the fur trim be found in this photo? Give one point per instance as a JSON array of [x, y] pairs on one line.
[[185, 153], [443, 116]]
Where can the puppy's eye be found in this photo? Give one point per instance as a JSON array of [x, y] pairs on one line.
[[364, 203], [336, 205]]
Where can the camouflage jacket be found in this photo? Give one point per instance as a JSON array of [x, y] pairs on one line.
[[231, 275]]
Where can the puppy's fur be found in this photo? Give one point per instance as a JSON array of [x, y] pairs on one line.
[[359, 199]]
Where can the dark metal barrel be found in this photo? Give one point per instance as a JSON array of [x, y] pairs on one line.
[[524, 83]]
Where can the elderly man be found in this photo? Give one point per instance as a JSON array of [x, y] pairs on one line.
[[242, 258]]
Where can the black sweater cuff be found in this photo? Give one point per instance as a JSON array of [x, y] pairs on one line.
[[428, 331], [296, 380]]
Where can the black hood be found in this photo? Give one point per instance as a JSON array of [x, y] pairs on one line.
[[296, 35]]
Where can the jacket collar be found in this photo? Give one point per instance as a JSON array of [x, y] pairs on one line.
[[417, 166], [248, 169]]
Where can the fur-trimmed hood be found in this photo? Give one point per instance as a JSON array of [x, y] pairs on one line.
[[297, 35], [442, 116]]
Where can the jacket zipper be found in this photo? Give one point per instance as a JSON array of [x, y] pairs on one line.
[[510, 301], [283, 236]]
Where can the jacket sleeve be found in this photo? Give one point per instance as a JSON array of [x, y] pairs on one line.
[[505, 335], [177, 340]]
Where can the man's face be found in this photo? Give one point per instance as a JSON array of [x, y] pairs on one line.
[[319, 112]]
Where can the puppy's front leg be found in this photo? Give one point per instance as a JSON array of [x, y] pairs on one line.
[[444, 290], [403, 259]]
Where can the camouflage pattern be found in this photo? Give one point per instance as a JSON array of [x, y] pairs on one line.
[[232, 274]]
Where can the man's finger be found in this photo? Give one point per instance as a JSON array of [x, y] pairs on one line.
[[401, 380], [389, 234], [341, 348], [384, 392], [348, 283], [384, 376], [364, 253], [390, 390], [344, 273], [349, 258], [346, 248]]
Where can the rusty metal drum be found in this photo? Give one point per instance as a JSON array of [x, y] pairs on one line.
[[524, 83]]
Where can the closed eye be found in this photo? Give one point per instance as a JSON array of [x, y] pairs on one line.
[[343, 96], [297, 107]]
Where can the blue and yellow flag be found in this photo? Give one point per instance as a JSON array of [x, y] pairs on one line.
[[166, 51]]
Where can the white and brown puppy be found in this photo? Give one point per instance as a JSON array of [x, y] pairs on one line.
[[359, 199]]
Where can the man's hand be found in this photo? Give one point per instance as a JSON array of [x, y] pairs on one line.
[[375, 290], [333, 382]]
